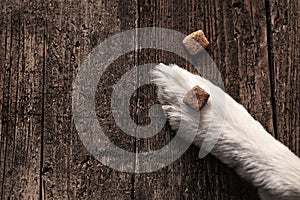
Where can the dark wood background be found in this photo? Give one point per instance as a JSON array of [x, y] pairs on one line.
[[255, 44]]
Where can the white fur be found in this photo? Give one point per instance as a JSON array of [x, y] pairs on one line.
[[243, 143]]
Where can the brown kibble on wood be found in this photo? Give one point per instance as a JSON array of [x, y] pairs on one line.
[[195, 42], [196, 98]]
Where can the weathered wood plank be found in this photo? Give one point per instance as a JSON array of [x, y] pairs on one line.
[[250, 60], [239, 47], [22, 54], [238, 34], [285, 54], [73, 30], [42, 47]]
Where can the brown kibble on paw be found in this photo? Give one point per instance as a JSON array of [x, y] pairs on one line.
[[196, 98], [195, 42]]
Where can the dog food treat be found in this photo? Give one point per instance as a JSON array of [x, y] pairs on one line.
[[196, 98], [195, 42]]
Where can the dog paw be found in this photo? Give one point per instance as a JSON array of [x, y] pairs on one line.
[[173, 84]]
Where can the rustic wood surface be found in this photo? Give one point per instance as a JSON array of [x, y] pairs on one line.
[[255, 45]]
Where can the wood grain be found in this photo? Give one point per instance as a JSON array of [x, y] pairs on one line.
[[21, 102], [255, 45], [285, 59], [73, 29]]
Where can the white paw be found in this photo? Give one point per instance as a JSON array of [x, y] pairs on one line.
[[237, 139]]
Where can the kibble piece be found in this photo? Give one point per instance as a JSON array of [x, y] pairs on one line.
[[195, 42], [196, 98]]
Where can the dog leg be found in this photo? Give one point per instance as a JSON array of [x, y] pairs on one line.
[[243, 143]]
